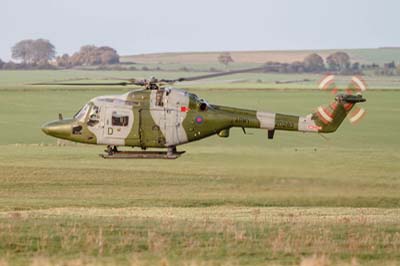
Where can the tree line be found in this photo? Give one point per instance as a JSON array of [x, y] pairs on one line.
[[41, 54], [338, 62]]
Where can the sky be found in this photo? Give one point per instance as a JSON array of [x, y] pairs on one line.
[[150, 26]]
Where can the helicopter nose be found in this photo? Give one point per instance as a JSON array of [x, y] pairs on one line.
[[46, 129], [59, 129]]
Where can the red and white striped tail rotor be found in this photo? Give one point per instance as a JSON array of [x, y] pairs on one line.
[[356, 115], [326, 82], [357, 85]]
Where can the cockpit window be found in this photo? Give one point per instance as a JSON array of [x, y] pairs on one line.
[[94, 116], [81, 114]]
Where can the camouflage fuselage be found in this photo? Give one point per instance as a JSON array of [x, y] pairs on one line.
[[169, 117]]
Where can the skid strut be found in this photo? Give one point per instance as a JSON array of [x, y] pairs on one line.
[[113, 153]]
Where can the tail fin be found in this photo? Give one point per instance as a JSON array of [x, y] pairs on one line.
[[328, 119]]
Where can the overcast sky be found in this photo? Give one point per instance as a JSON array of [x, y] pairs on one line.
[[148, 26]]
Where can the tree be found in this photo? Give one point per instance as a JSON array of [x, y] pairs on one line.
[[355, 67], [89, 55], [389, 69], [108, 55], [63, 61], [339, 61], [92, 55], [33, 51], [297, 67], [390, 65], [1, 63], [23, 51], [314, 63], [225, 59], [43, 51]]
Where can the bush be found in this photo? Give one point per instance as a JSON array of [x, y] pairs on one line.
[[225, 59], [11, 66]]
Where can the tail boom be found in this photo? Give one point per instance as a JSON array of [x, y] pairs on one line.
[[324, 120]]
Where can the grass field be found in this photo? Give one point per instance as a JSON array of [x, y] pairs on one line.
[[245, 200]]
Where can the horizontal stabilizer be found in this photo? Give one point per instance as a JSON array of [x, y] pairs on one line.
[[348, 98]]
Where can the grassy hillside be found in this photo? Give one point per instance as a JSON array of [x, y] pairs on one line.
[[379, 56]]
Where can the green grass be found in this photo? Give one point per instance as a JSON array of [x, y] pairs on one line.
[[244, 200]]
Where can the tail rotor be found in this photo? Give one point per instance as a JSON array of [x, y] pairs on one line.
[[352, 95]]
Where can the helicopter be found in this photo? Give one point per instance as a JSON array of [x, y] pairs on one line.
[[158, 115]]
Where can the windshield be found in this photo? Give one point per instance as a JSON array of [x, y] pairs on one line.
[[81, 114], [94, 116]]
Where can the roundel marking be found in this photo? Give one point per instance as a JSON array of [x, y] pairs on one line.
[[199, 119]]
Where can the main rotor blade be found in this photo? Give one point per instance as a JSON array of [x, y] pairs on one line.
[[86, 84], [170, 81], [122, 79], [207, 76]]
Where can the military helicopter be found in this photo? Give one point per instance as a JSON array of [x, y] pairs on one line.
[[160, 116]]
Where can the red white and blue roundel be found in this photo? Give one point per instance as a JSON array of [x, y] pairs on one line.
[[199, 120]]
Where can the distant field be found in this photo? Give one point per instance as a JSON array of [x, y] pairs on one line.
[[21, 80], [245, 200], [379, 56]]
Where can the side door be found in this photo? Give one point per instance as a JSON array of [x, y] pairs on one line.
[[171, 124], [174, 115], [151, 123], [118, 124]]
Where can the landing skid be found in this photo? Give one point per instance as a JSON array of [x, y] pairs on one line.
[[115, 154]]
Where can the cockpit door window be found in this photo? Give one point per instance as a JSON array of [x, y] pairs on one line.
[[118, 124], [119, 119]]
